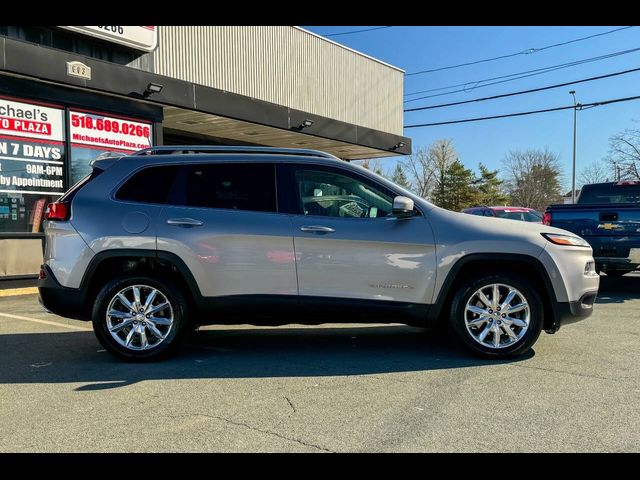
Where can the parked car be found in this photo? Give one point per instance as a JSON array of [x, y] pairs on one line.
[[151, 245], [513, 213], [607, 215]]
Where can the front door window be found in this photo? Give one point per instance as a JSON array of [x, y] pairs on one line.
[[331, 194]]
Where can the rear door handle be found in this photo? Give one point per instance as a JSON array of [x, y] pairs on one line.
[[317, 229], [184, 222]]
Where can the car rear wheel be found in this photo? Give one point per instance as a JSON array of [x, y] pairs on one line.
[[139, 318], [497, 315]]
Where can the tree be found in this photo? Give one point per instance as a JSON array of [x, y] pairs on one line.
[[435, 173], [421, 172], [624, 154], [533, 178], [374, 166], [454, 188], [490, 187], [400, 178], [596, 172], [442, 156]]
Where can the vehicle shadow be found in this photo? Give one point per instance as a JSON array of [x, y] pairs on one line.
[[77, 357], [618, 290]]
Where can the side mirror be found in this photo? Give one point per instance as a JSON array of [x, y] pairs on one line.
[[403, 207]]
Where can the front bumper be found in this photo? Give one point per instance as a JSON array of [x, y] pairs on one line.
[[571, 312], [63, 301]]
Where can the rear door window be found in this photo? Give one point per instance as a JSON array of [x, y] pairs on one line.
[[230, 186]]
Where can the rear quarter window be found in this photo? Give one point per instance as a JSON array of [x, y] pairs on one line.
[[150, 185]]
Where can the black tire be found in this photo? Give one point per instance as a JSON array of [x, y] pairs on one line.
[[175, 334], [457, 320], [617, 273]]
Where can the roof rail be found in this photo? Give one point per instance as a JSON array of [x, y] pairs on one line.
[[188, 149]]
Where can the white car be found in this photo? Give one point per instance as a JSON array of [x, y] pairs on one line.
[[151, 245]]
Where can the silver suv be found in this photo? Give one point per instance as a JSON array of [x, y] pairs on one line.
[[149, 246]]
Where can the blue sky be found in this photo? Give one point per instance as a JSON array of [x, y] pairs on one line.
[[419, 48]]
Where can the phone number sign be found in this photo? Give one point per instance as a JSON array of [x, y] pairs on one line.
[[110, 133], [138, 37]]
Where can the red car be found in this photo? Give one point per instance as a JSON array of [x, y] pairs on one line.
[[514, 213]]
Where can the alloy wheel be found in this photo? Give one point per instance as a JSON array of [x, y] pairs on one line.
[[139, 317], [497, 315]]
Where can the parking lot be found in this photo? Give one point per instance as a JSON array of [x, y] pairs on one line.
[[330, 388]]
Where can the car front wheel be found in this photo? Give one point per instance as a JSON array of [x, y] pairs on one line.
[[497, 315], [139, 318]]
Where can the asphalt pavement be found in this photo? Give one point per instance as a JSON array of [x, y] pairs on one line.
[[328, 388]]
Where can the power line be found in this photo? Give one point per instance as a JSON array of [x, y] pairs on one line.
[[528, 51], [355, 31], [522, 92], [531, 112], [514, 76]]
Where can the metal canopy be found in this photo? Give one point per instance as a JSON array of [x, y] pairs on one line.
[[179, 121]]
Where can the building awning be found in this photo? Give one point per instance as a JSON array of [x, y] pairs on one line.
[[190, 108], [189, 124]]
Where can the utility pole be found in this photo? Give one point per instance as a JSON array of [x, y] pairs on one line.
[[575, 118]]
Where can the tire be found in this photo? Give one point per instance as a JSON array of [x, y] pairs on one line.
[[525, 331], [170, 323], [617, 273]]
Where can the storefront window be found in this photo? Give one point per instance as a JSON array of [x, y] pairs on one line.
[[33, 157], [32, 163]]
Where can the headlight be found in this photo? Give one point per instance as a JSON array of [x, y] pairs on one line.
[[560, 239]]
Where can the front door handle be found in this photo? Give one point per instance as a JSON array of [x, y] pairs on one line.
[[184, 222], [317, 229]]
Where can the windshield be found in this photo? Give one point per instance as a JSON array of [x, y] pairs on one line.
[[525, 216], [610, 193]]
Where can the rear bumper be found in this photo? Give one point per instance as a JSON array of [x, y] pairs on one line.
[[571, 312], [615, 252], [615, 263], [63, 301]]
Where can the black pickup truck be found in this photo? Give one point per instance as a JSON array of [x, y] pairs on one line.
[[607, 215]]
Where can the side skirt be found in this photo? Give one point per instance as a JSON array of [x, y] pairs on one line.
[[307, 310]]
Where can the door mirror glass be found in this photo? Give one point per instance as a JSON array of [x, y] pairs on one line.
[[403, 207]]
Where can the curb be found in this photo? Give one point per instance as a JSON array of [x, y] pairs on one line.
[[11, 292]]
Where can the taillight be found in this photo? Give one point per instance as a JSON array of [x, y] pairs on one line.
[[57, 211], [546, 218]]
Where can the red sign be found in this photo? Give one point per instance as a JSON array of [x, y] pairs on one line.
[[30, 120], [37, 215], [99, 130]]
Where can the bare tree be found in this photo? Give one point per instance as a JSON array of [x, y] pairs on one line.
[[375, 165], [596, 172], [428, 164], [533, 178], [419, 171], [624, 154]]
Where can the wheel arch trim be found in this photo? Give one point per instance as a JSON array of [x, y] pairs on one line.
[[172, 258], [452, 276]]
